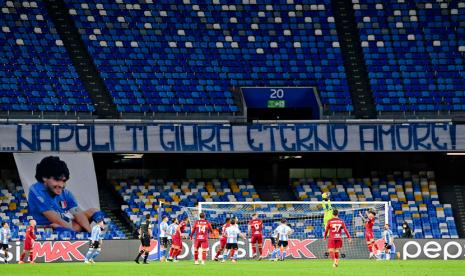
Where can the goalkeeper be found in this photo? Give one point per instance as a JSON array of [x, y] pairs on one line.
[[328, 210], [328, 213]]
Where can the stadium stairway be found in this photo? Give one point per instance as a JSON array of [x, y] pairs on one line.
[[457, 199], [81, 59], [275, 193], [357, 76], [455, 195], [109, 203]]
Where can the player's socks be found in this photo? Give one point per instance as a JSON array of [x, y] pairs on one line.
[[173, 254], [204, 255], [196, 255], [22, 256], [89, 254], [254, 250], [260, 250], [31, 257], [336, 256], [388, 256], [96, 253], [162, 253], [331, 255], [274, 253], [146, 256], [232, 253], [140, 254], [370, 249], [178, 252], [284, 255]]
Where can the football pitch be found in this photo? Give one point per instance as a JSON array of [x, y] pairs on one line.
[[242, 268]]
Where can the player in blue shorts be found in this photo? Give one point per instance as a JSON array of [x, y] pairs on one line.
[[276, 250], [389, 247], [51, 204], [95, 244]]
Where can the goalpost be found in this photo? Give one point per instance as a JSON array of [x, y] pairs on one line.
[[256, 206], [304, 217]]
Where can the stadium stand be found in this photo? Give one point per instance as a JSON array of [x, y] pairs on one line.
[[36, 73], [414, 199], [185, 56], [414, 52], [143, 196], [14, 210]]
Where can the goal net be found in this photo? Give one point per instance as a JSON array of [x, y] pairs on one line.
[[305, 218]]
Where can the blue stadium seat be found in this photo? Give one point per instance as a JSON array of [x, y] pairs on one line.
[[189, 55], [14, 209], [142, 196], [414, 199], [36, 73], [413, 50]]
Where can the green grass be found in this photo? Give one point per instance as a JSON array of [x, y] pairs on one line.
[[243, 268]]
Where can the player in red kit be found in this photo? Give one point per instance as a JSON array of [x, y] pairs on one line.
[[176, 247], [369, 234], [256, 232], [201, 230], [29, 243], [223, 238], [334, 227]]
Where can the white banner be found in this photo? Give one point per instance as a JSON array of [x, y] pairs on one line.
[[299, 137], [82, 182]]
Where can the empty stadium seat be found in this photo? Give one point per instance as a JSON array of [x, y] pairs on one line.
[[143, 196], [414, 199], [185, 56], [14, 210], [36, 73], [414, 53]]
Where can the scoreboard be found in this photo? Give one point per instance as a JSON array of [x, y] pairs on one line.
[[279, 97], [296, 98]]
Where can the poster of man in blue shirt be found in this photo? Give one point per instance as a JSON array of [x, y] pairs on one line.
[[51, 204]]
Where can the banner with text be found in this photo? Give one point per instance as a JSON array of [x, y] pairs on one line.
[[126, 250], [301, 137]]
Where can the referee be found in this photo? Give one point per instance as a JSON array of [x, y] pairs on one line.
[[145, 236]]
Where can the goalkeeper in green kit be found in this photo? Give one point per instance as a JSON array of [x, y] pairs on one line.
[[328, 210]]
